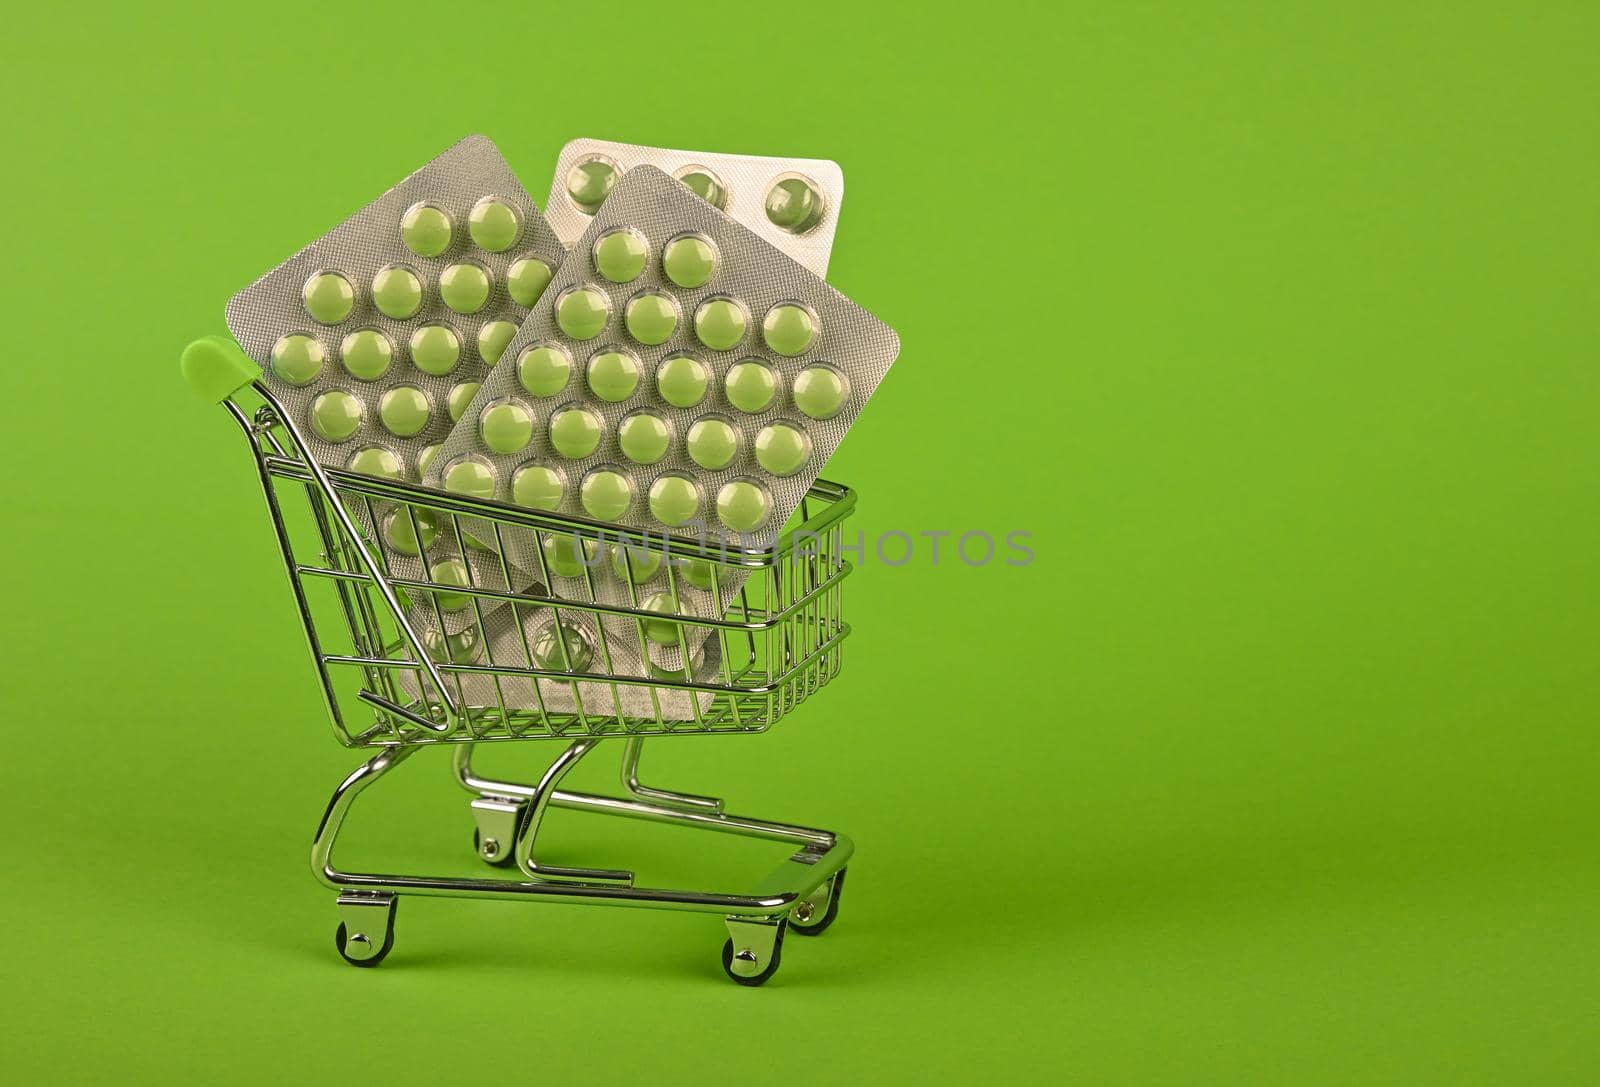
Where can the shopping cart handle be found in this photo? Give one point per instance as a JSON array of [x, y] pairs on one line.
[[216, 368]]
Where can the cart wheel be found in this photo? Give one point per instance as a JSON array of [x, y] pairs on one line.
[[772, 964], [357, 950], [506, 860], [804, 921]]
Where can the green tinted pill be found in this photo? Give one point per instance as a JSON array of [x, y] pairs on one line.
[[451, 572], [704, 184], [335, 415], [561, 554], [589, 183], [562, 648], [788, 329], [613, 375], [689, 261], [470, 477], [781, 449], [634, 563], [375, 461], [712, 443], [819, 392], [537, 487], [425, 458], [742, 506], [404, 411], [700, 573], [719, 323], [460, 399], [682, 380], [425, 230], [464, 287], [297, 359], [493, 338], [397, 292], [543, 369], [751, 386], [582, 313], [674, 500], [329, 298], [659, 630], [620, 255], [651, 318], [410, 530], [794, 205], [464, 647], [575, 433], [494, 225], [506, 427], [606, 495], [644, 438], [526, 280], [435, 349], [366, 354]]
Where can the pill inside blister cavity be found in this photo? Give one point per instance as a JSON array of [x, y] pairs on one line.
[[425, 229], [651, 317], [397, 292], [297, 359], [751, 386], [575, 432], [702, 573], [375, 460], [614, 375], [493, 338], [335, 416], [590, 182], [712, 443], [704, 183], [605, 494], [644, 437], [661, 631], [462, 647], [465, 287], [469, 476], [506, 426], [562, 647], [782, 449], [820, 391], [404, 411], [689, 260], [425, 458], [452, 572], [435, 349], [460, 398], [720, 323], [635, 562], [328, 297], [682, 380], [543, 369], [494, 224], [563, 556], [789, 328], [526, 280], [410, 530], [582, 312], [366, 354], [538, 487], [795, 204], [621, 254], [743, 505], [674, 500]]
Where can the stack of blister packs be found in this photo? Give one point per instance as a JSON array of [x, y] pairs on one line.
[[658, 353]]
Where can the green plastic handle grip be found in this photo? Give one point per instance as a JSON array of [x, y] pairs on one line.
[[216, 368]]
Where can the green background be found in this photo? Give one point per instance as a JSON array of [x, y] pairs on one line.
[[1275, 325]]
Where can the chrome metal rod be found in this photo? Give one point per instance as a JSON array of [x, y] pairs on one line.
[[664, 797], [533, 814]]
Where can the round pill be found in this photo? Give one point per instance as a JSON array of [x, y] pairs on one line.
[[705, 184], [543, 369], [435, 349], [494, 225], [720, 323], [328, 297], [404, 411], [819, 392], [464, 287], [537, 487], [526, 280], [742, 506], [470, 477], [463, 647], [425, 458], [661, 631], [582, 312], [460, 398], [561, 554], [620, 255], [589, 183], [375, 460], [689, 261], [789, 329], [366, 354], [674, 500], [682, 380], [493, 338], [651, 318], [562, 647], [335, 415], [506, 427], [794, 205], [644, 438], [635, 564], [613, 375], [781, 449], [297, 359], [575, 433], [397, 292], [701, 573], [712, 443], [686, 670], [410, 530], [751, 386], [452, 572], [606, 495], [426, 230]]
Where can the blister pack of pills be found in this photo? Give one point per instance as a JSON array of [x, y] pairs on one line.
[[792, 203]]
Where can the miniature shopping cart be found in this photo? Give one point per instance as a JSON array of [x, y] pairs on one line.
[[395, 686]]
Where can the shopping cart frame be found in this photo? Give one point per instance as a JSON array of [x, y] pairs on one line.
[[790, 621]]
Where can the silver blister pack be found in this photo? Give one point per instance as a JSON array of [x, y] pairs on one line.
[[792, 203]]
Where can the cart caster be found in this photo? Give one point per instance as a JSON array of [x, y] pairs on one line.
[[819, 909], [759, 951], [357, 935], [496, 830]]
